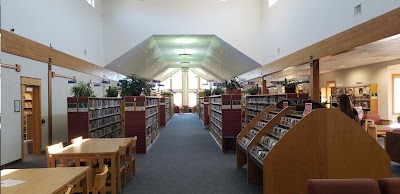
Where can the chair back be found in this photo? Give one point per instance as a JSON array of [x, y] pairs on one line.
[[100, 180], [51, 150], [342, 186], [389, 185], [69, 190], [77, 140]]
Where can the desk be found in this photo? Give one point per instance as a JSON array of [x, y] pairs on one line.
[[45, 180], [98, 149], [380, 130]]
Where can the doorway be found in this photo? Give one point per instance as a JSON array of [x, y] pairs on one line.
[[31, 128]]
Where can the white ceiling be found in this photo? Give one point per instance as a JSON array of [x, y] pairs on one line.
[[387, 49], [155, 55]]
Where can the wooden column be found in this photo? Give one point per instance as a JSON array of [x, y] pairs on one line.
[[50, 107], [314, 79], [264, 87]]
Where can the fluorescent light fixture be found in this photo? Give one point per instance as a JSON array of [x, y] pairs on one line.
[[185, 63], [185, 55], [168, 71], [201, 71]]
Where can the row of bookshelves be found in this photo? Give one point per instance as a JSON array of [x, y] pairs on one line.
[[103, 103], [150, 102], [151, 120], [216, 129], [114, 128], [215, 100], [216, 108], [151, 128], [97, 124], [151, 111], [101, 113]]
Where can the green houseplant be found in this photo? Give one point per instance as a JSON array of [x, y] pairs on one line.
[[290, 86], [134, 85], [218, 91], [253, 90], [207, 92], [82, 89], [166, 94], [233, 85], [112, 91]]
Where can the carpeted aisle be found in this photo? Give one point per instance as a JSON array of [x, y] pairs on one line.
[[186, 159]]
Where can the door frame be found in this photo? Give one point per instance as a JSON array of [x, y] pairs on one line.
[[37, 134]]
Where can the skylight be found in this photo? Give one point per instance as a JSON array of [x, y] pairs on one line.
[[91, 2]]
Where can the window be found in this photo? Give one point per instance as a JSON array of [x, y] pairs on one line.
[[193, 81], [91, 2], [204, 84], [177, 80], [396, 93], [178, 99], [167, 85], [192, 97]]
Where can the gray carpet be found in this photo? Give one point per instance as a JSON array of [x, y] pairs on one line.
[[186, 159]]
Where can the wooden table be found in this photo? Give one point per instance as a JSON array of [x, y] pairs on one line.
[[45, 180], [94, 149]]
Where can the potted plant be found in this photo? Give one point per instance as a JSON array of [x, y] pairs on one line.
[[218, 91], [112, 91], [253, 90], [290, 86], [135, 85], [233, 86], [82, 89], [166, 94], [207, 92]]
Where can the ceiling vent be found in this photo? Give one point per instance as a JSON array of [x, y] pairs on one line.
[[357, 9]]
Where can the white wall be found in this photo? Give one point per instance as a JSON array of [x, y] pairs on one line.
[[61, 90], [293, 25], [127, 23], [11, 121], [374, 73], [69, 26], [394, 69]]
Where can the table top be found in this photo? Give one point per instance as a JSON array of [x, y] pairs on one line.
[[386, 128], [95, 146], [41, 180]]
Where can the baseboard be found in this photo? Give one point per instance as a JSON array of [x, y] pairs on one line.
[[11, 163]]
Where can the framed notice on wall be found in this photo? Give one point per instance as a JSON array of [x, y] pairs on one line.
[[140, 106], [72, 107], [226, 104], [236, 104], [129, 106]]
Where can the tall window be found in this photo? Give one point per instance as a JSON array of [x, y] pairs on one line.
[[204, 84], [177, 80], [396, 93], [166, 85], [192, 99], [193, 81], [91, 2], [178, 99]]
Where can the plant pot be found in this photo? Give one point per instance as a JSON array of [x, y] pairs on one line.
[[233, 91], [291, 88]]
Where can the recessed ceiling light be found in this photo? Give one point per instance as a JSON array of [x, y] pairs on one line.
[[185, 63], [185, 56]]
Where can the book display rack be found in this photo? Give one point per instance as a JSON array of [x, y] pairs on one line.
[[225, 119], [256, 103], [295, 146], [94, 117], [203, 110], [142, 120], [165, 110]]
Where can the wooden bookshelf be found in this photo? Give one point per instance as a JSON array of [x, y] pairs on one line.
[[225, 119], [27, 108], [256, 103], [293, 148], [142, 118], [360, 95], [203, 110], [94, 117], [165, 110]]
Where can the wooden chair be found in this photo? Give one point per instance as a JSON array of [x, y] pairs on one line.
[[100, 181], [77, 140], [131, 158], [70, 188], [121, 167], [55, 149]]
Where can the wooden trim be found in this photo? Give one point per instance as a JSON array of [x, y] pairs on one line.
[[54, 75], [17, 67], [23, 47], [50, 106], [30, 81], [394, 76], [315, 91], [383, 26]]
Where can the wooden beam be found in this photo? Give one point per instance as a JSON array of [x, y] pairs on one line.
[[378, 28], [17, 67], [23, 47], [264, 87], [314, 79], [50, 106]]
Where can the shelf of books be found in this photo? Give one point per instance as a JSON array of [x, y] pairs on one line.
[[270, 116], [203, 110], [308, 142], [165, 111], [142, 120], [225, 119], [94, 117], [363, 96], [243, 110], [28, 111], [256, 103]]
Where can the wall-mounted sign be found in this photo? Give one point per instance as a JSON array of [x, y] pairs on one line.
[[71, 81], [161, 85], [204, 84], [218, 84], [83, 107], [251, 83], [236, 104], [277, 82], [72, 107], [156, 81], [210, 80], [104, 81], [96, 84], [226, 104]]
